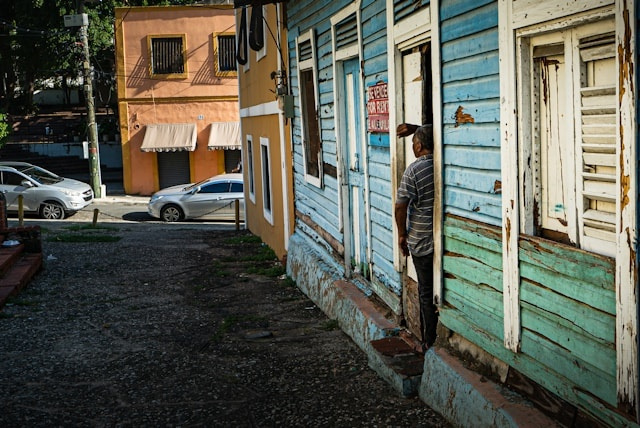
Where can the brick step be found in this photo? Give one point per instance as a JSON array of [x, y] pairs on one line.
[[399, 362], [8, 257], [19, 275]]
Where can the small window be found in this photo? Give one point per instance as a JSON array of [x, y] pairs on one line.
[[250, 172], [266, 179], [311, 142], [263, 52], [225, 54], [167, 56], [237, 188]]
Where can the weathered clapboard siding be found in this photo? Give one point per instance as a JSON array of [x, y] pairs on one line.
[[568, 306], [378, 157], [471, 110], [403, 8], [320, 204], [568, 318]]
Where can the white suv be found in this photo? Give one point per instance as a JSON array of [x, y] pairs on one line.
[[51, 196]]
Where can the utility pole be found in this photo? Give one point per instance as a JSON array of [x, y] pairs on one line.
[[82, 21]]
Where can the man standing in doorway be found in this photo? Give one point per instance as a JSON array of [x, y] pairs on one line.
[[414, 202]]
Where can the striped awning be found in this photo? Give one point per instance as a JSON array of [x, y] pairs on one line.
[[224, 136], [169, 137]]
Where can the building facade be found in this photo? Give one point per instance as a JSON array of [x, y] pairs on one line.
[[535, 222], [265, 129], [177, 94]]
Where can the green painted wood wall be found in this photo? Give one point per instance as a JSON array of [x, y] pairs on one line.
[[567, 304]]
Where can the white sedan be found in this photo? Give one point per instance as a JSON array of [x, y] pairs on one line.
[[213, 198]]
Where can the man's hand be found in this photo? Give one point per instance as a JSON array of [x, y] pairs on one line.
[[406, 129], [402, 243], [401, 223]]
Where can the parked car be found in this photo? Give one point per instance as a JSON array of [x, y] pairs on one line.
[[213, 198], [45, 193]]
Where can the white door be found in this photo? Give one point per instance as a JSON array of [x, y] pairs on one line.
[[413, 107]]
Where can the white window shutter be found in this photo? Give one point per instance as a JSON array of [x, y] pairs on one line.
[[597, 134]]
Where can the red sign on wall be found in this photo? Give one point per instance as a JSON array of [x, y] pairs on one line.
[[378, 108]]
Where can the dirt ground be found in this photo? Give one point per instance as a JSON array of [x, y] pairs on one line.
[[173, 325]]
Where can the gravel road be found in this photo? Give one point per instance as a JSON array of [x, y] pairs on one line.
[[144, 324]]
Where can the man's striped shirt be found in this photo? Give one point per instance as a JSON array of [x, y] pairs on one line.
[[416, 190]]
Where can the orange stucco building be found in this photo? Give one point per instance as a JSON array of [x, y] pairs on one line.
[[177, 94]]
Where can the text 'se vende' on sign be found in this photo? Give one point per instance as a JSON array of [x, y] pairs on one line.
[[378, 108]]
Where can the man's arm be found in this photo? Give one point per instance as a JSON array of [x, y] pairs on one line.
[[401, 223], [406, 129]]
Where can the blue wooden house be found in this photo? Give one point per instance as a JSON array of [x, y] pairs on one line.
[[535, 126]]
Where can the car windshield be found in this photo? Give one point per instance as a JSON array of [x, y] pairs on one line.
[[41, 176], [194, 185]]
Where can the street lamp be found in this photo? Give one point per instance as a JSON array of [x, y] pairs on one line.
[[82, 21]]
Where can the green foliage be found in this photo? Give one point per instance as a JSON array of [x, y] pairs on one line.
[[36, 47], [5, 129], [262, 254], [270, 271], [247, 239]]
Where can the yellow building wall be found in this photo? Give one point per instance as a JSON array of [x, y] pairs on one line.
[[201, 97], [259, 118], [271, 233]]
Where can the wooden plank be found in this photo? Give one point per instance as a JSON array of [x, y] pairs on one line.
[[482, 311], [470, 203], [483, 88], [453, 8], [471, 113], [592, 322], [482, 65], [470, 231], [555, 360], [474, 44], [529, 12], [473, 216], [480, 134], [553, 381], [626, 242], [510, 203], [473, 252], [478, 180], [484, 158], [590, 267], [587, 348], [597, 297], [472, 271], [474, 20]]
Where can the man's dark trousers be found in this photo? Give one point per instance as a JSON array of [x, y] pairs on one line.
[[428, 314]]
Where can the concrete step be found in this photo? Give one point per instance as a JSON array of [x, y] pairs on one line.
[[399, 363]]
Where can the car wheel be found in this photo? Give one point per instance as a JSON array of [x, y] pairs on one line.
[[171, 213], [51, 211]]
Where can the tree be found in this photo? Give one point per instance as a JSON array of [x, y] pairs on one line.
[[36, 47], [5, 129]]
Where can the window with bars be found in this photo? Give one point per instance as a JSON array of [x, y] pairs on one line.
[[167, 53], [225, 54], [572, 135]]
